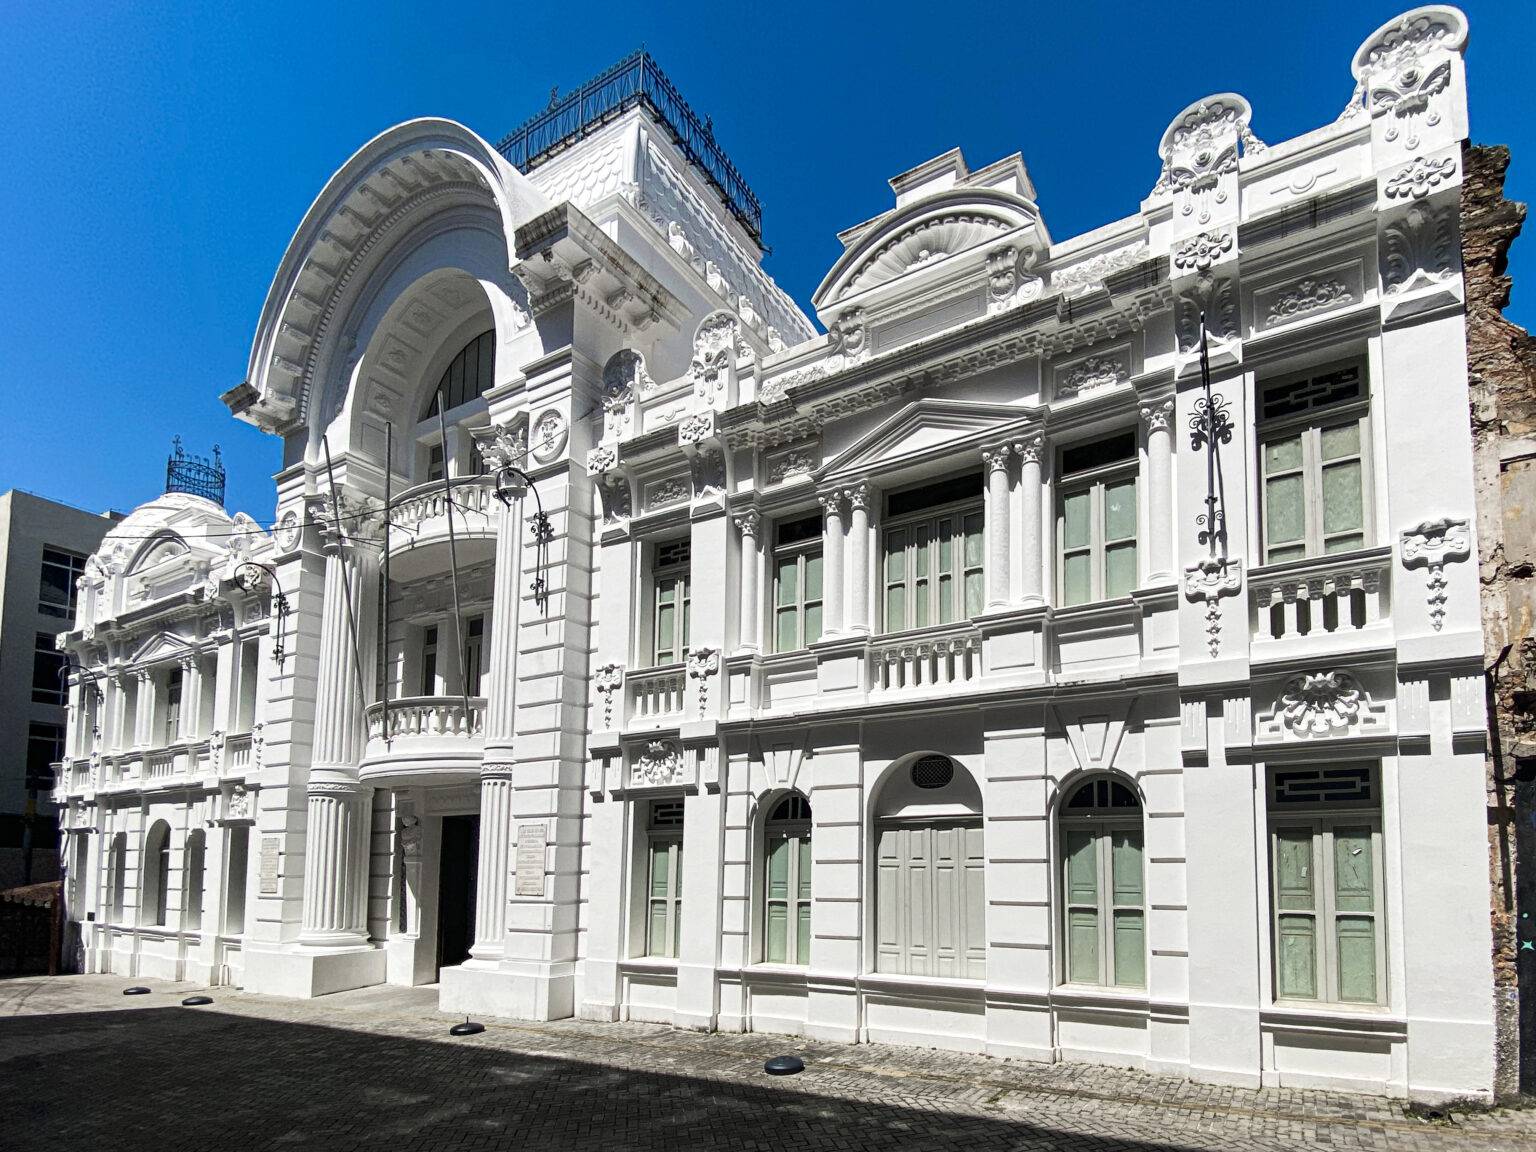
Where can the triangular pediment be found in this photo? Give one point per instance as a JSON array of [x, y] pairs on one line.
[[924, 428], [161, 646]]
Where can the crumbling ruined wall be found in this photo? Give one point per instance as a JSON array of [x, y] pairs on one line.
[[1501, 372]]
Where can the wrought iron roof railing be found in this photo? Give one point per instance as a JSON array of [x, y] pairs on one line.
[[634, 80], [195, 475]]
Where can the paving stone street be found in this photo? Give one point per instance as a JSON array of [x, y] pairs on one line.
[[85, 1067]]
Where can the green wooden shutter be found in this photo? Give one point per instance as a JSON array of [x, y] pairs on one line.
[[656, 938], [803, 883], [1354, 899], [1129, 911], [974, 903], [1080, 848], [778, 900], [1296, 915], [888, 894]]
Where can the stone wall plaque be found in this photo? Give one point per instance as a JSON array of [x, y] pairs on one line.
[[530, 860], [271, 846]]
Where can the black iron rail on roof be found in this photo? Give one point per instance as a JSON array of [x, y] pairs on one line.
[[637, 79]]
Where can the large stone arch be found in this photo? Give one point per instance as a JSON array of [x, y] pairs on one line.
[[425, 195]]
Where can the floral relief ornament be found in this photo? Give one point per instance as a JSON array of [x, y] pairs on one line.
[[702, 664], [1317, 703], [608, 680], [660, 763], [1420, 178], [1309, 295], [1201, 251], [1208, 581], [1433, 544]]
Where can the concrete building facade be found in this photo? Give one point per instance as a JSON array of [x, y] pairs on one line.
[[1074, 653]]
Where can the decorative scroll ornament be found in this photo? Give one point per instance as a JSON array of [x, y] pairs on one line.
[[702, 664], [1008, 284], [696, 427], [795, 462], [1433, 544], [1094, 372], [1210, 427], [1309, 295], [1320, 703], [708, 469], [608, 680], [624, 377], [603, 458], [1418, 179], [1418, 249], [848, 335], [1208, 581], [616, 499], [715, 348], [661, 763], [1200, 251]]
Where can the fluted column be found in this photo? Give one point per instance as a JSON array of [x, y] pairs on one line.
[[749, 524], [336, 847], [1159, 419], [504, 449], [495, 862], [144, 713], [832, 547], [859, 497], [998, 546], [191, 698], [1030, 450]]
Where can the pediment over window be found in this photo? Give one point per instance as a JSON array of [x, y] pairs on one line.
[[161, 646], [925, 429]]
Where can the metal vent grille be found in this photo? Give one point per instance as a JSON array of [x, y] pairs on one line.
[[933, 772], [1337, 386], [1346, 785], [673, 553], [666, 813]]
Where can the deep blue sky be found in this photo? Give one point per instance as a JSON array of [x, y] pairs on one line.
[[160, 158]]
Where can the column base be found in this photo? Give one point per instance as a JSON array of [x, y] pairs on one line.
[[519, 990], [305, 972]]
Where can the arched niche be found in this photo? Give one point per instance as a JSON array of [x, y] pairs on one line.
[[908, 790]]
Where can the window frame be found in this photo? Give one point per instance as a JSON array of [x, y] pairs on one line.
[[1308, 426], [677, 577], [1101, 824], [474, 638], [427, 678], [1095, 482], [795, 832], [954, 514], [801, 552], [667, 839], [48, 665], [73, 563], [1322, 820]]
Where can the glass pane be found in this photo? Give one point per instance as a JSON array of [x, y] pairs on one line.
[[659, 858], [1120, 511], [778, 868], [666, 625], [1297, 954], [946, 547], [812, 623], [920, 540], [1343, 440], [1352, 886], [1342, 503], [803, 936], [896, 555], [1356, 937], [1290, 552], [975, 593], [813, 576], [803, 879], [687, 605], [920, 616], [895, 608], [1119, 570], [787, 581], [1077, 580], [1345, 543], [1125, 864], [1083, 946], [1282, 455], [786, 638], [1074, 515], [1284, 515], [1130, 949], [973, 541], [1082, 866], [1293, 869], [778, 934]]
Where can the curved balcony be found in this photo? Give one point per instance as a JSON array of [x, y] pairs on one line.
[[418, 526], [430, 738]]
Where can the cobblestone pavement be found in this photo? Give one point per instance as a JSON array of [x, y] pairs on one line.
[[82, 1066]]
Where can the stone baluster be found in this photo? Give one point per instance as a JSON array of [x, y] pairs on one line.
[[1158, 415], [859, 497], [833, 590], [998, 545], [749, 524], [1030, 450]]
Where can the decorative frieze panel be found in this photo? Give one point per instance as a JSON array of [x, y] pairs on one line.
[[1307, 295], [667, 491], [1104, 368], [1322, 705], [789, 463], [659, 764], [1086, 275]]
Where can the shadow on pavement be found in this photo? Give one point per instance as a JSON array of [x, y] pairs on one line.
[[174, 1078]]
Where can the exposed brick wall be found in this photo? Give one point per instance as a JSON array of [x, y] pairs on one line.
[[1501, 371]]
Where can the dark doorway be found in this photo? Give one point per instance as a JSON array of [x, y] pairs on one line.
[[456, 889]]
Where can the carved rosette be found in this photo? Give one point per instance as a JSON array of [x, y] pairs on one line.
[[1433, 544], [1207, 582], [1199, 252], [603, 458], [608, 680], [696, 427], [1320, 703], [659, 765]]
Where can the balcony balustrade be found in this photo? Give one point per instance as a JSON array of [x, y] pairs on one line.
[[419, 524], [237, 753], [425, 734], [1331, 600], [656, 695], [931, 660]]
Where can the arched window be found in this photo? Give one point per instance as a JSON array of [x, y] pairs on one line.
[[787, 882], [196, 851], [156, 871], [1103, 890], [117, 870], [930, 910], [468, 376], [234, 882]]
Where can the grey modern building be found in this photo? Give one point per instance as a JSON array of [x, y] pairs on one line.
[[43, 547]]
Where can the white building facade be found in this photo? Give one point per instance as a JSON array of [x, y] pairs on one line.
[[931, 681]]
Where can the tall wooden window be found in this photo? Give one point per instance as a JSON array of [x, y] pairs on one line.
[[1104, 893], [1313, 436], [797, 594], [428, 684], [171, 715], [156, 871], [933, 545], [196, 863], [787, 883], [474, 653], [664, 878], [1326, 885], [671, 601], [1096, 520]]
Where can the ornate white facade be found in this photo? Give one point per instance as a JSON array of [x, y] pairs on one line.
[[897, 684]]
